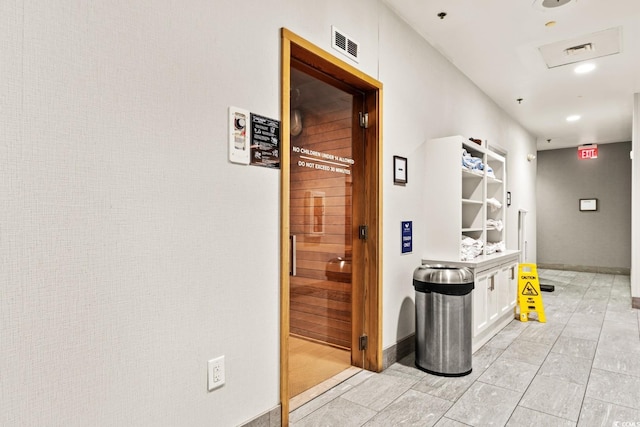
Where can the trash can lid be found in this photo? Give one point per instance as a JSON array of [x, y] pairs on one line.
[[443, 274]]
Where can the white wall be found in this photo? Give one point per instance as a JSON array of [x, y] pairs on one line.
[[132, 251], [426, 97]]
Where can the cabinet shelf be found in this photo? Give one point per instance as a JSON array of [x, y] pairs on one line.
[[471, 174], [459, 195], [472, 230]]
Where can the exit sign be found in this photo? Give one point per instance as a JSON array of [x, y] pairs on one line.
[[588, 151]]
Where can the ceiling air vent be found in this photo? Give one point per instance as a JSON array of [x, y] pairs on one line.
[[345, 44], [580, 49], [589, 46]]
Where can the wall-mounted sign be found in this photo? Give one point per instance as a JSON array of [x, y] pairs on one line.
[[400, 175], [407, 236], [588, 152], [588, 204], [265, 141]]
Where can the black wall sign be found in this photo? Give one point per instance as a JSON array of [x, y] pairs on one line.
[[265, 141]]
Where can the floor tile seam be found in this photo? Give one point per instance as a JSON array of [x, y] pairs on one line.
[[564, 326], [574, 355], [452, 419], [586, 388], [317, 409], [360, 405], [538, 373], [325, 394], [405, 376], [398, 398], [635, 375], [621, 322], [528, 385], [453, 402], [421, 392], [544, 413], [504, 388], [520, 360], [611, 403], [554, 415]]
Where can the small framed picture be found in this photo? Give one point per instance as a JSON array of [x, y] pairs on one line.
[[400, 175], [588, 204]]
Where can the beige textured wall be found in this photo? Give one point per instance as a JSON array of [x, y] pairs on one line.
[[131, 250]]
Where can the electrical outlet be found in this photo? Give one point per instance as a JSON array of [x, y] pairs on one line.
[[216, 375]]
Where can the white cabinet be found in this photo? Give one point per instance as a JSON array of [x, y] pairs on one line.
[[494, 293], [464, 198]]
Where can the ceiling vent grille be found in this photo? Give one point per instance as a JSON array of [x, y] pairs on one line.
[[345, 44], [589, 46]]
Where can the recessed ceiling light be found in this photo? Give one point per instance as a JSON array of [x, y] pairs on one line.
[[550, 24], [573, 118], [585, 68]]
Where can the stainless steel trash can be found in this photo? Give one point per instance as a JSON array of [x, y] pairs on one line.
[[443, 319]]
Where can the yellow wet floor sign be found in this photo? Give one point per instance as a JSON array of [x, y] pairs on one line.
[[529, 297]]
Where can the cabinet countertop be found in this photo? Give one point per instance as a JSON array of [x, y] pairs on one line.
[[480, 263]]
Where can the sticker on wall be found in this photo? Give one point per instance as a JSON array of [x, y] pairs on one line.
[[407, 237], [265, 141]]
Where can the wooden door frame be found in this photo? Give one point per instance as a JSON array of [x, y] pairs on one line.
[[296, 47]]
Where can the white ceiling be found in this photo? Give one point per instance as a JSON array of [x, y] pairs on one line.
[[496, 44]]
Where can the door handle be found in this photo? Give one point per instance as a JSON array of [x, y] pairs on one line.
[[292, 263]]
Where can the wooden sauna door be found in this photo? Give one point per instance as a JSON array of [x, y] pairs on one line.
[[327, 160]]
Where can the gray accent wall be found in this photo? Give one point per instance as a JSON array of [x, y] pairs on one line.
[[567, 237]]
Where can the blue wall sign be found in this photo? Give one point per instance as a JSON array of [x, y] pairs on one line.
[[407, 236]]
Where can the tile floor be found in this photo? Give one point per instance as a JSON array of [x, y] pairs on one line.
[[580, 368]]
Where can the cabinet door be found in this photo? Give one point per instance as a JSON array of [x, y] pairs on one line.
[[480, 315], [507, 285], [493, 308], [513, 284], [504, 295]]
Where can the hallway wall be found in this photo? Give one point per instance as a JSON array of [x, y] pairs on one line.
[[426, 97], [592, 240], [132, 250]]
